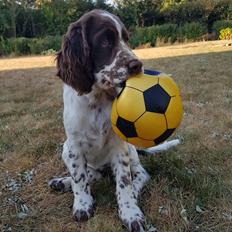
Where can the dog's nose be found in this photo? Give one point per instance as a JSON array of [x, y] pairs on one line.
[[135, 66]]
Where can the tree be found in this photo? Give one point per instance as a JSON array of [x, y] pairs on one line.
[[102, 4], [217, 10], [184, 11], [11, 12], [138, 12], [5, 19]]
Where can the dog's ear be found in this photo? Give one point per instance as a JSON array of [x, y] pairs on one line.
[[73, 60]]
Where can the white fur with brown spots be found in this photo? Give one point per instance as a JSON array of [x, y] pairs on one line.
[[90, 84]]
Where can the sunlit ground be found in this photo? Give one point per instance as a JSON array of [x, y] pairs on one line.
[[191, 185]]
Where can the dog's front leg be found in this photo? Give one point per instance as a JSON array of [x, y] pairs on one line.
[[139, 175], [75, 161], [129, 212]]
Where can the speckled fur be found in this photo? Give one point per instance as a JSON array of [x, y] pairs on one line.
[[91, 143]]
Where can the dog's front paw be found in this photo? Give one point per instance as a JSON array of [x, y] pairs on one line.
[[137, 226], [83, 208], [82, 215], [132, 218], [62, 184]]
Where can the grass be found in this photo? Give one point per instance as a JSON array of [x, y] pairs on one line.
[[191, 185]]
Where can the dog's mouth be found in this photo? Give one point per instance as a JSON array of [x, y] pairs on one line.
[[115, 89], [120, 79], [114, 83], [119, 87], [121, 84]]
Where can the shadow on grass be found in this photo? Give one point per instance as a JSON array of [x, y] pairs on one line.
[[27, 73]]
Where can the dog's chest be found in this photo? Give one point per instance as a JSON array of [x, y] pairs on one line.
[[87, 122], [94, 120], [99, 123], [98, 136]]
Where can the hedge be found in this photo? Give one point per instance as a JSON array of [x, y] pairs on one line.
[[29, 46], [167, 33]]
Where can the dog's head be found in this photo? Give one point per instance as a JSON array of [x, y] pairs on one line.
[[95, 51]]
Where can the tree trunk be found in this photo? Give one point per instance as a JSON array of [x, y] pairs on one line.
[[12, 7]]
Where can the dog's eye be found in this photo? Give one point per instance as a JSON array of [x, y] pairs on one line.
[[106, 43]]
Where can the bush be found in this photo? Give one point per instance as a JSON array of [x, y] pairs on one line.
[[167, 33], [29, 46], [185, 11], [226, 34], [191, 31], [221, 24], [141, 36], [137, 37], [54, 42], [19, 46], [49, 52], [4, 47], [39, 45]]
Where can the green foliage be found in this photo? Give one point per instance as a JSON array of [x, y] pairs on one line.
[[222, 10], [39, 45], [4, 18], [19, 46], [206, 185], [139, 12], [49, 52], [165, 20], [184, 12], [226, 33], [4, 47], [221, 24], [38, 18], [29, 46], [127, 15], [192, 31], [165, 32], [168, 33]]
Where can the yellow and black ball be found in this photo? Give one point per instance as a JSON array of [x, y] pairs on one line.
[[148, 109]]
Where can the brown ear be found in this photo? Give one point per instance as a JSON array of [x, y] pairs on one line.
[[73, 61]]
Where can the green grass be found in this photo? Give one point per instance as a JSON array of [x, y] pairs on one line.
[[191, 185]]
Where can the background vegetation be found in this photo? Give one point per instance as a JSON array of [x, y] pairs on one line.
[[36, 26]]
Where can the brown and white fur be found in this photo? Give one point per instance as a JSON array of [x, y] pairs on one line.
[[94, 61]]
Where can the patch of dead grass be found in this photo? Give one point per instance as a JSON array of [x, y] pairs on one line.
[[27, 62]]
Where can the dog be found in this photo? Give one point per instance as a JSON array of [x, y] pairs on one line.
[[94, 62]]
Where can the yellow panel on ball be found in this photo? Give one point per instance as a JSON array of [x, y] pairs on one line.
[[130, 104], [150, 125], [118, 132], [142, 81], [114, 114], [174, 112], [169, 85], [141, 142]]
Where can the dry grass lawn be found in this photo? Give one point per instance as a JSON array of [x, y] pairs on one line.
[[191, 185]]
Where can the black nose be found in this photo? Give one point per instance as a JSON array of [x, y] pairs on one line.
[[135, 66]]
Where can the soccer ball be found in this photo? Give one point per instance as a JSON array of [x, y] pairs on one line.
[[147, 110]]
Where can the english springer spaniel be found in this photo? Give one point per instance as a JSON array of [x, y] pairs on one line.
[[94, 61]]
